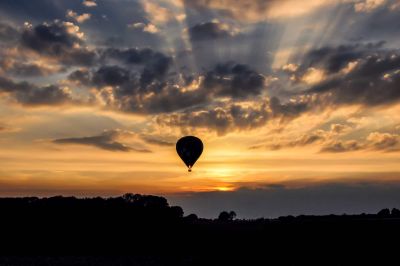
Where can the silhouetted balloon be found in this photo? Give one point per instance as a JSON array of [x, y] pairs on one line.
[[189, 148]]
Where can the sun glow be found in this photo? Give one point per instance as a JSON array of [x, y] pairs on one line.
[[224, 188], [222, 172]]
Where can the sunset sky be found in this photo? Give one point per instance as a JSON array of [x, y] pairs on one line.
[[297, 102]]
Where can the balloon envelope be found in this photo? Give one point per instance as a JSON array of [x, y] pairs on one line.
[[189, 148]]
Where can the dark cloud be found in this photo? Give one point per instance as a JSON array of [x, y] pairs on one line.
[[379, 24], [8, 33], [234, 80], [52, 38], [155, 64], [29, 94], [136, 56], [105, 141], [170, 99], [274, 201], [130, 96], [25, 69], [149, 72], [334, 59], [8, 85], [48, 95], [82, 76], [38, 10], [109, 19], [107, 76], [161, 94], [375, 80], [288, 110], [216, 119], [61, 40], [249, 117], [209, 31]]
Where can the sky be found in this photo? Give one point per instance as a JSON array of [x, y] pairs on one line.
[[297, 102]]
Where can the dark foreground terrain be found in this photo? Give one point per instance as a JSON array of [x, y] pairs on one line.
[[145, 230]]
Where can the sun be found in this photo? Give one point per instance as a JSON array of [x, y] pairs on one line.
[[224, 188]]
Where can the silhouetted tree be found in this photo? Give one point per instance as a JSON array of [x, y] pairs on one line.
[[384, 213], [395, 213], [176, 211], [227, 216], [191, 217]]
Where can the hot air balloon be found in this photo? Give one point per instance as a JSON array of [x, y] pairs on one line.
[[189, 148]]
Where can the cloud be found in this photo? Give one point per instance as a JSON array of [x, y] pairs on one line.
[[105, 141], [383, 141], [78, 18], [222, 119], [339, 128], [14, 62], [156, 64], [374, 80], [334, 59], [130, 94], [290, 68], [318, 136], [150, 28], [81, 76], [169, 99], [130, 83], [367, 6], [89, 3], [31, 95], [376, 141], [158, 14], [108, 76], [342, 146], [210, 31], [217, 119], [253, 11], [196, 104], [395, 5], [245, 118], [289, 110], [148, 89], [157, 141], [47, 95], [25, 69], [8, 33], [327, 138], [234, 80], [61, 40], [313, 76]]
